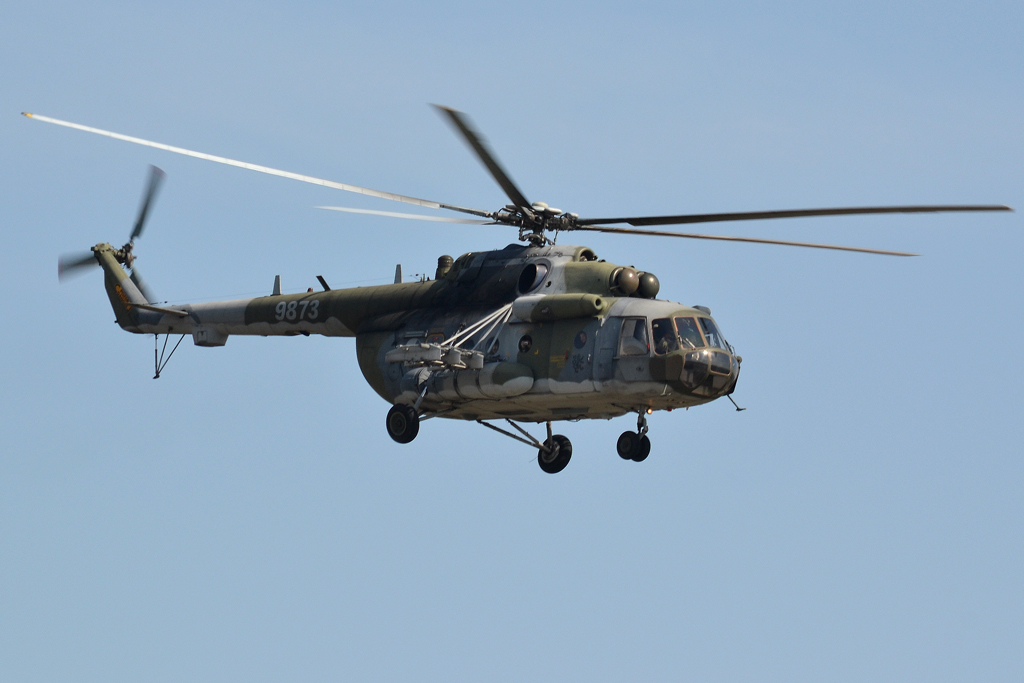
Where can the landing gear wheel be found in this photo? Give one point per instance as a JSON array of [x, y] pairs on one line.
[[558, 455], [628, 445], [644, 450], [632, 446], [403, 423]]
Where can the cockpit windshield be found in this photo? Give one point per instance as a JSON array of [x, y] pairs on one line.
[[689, 333], [712, 334]]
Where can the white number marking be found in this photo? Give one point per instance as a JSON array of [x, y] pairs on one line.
[[297, 310]]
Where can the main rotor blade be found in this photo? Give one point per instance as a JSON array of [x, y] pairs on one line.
[[156, 178], [475, 140], [414, 216], [793, 213], [68, 264], [660, 233], [262, 169]]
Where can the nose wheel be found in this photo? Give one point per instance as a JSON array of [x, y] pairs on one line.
[[635, 446], [632, 446]]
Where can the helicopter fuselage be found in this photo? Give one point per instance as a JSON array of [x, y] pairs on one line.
[[567, 336]]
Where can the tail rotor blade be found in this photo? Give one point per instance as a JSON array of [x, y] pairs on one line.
[[70, 264], [156, 177], [136, 277]]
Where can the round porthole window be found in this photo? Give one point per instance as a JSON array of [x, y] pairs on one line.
[[525, 343]]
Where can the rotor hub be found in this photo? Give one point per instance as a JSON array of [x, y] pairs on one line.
[[124, 255], [535, 221]]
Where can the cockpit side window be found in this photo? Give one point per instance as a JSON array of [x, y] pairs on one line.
[[633, 341], [689, 333], [664, 336], [714, 337]]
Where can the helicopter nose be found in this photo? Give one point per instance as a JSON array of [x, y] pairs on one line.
[[710, 372]]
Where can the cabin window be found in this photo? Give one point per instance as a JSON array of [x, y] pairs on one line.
[[633, 341], [689, 333], [663, 335]]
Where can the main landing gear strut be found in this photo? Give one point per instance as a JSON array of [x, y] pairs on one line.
[[552, 455], [403, 423], [635, 446]]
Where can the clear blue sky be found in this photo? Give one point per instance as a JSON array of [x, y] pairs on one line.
[[246, 517]]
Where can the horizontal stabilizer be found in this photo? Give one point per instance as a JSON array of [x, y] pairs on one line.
[[161, 309]]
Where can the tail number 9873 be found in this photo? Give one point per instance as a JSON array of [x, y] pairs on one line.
[[297, 310]]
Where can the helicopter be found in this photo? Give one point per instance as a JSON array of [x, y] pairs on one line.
[[536, 332]]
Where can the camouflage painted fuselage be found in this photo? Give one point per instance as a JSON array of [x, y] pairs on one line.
[[561, 354]]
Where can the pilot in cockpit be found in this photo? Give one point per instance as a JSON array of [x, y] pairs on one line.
[[664, 336]]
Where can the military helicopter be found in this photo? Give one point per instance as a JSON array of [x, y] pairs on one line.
[[536, 332]]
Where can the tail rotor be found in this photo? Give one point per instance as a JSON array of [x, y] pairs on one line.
[[71, 264]]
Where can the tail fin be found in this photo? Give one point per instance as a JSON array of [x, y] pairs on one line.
[[121, 290]]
